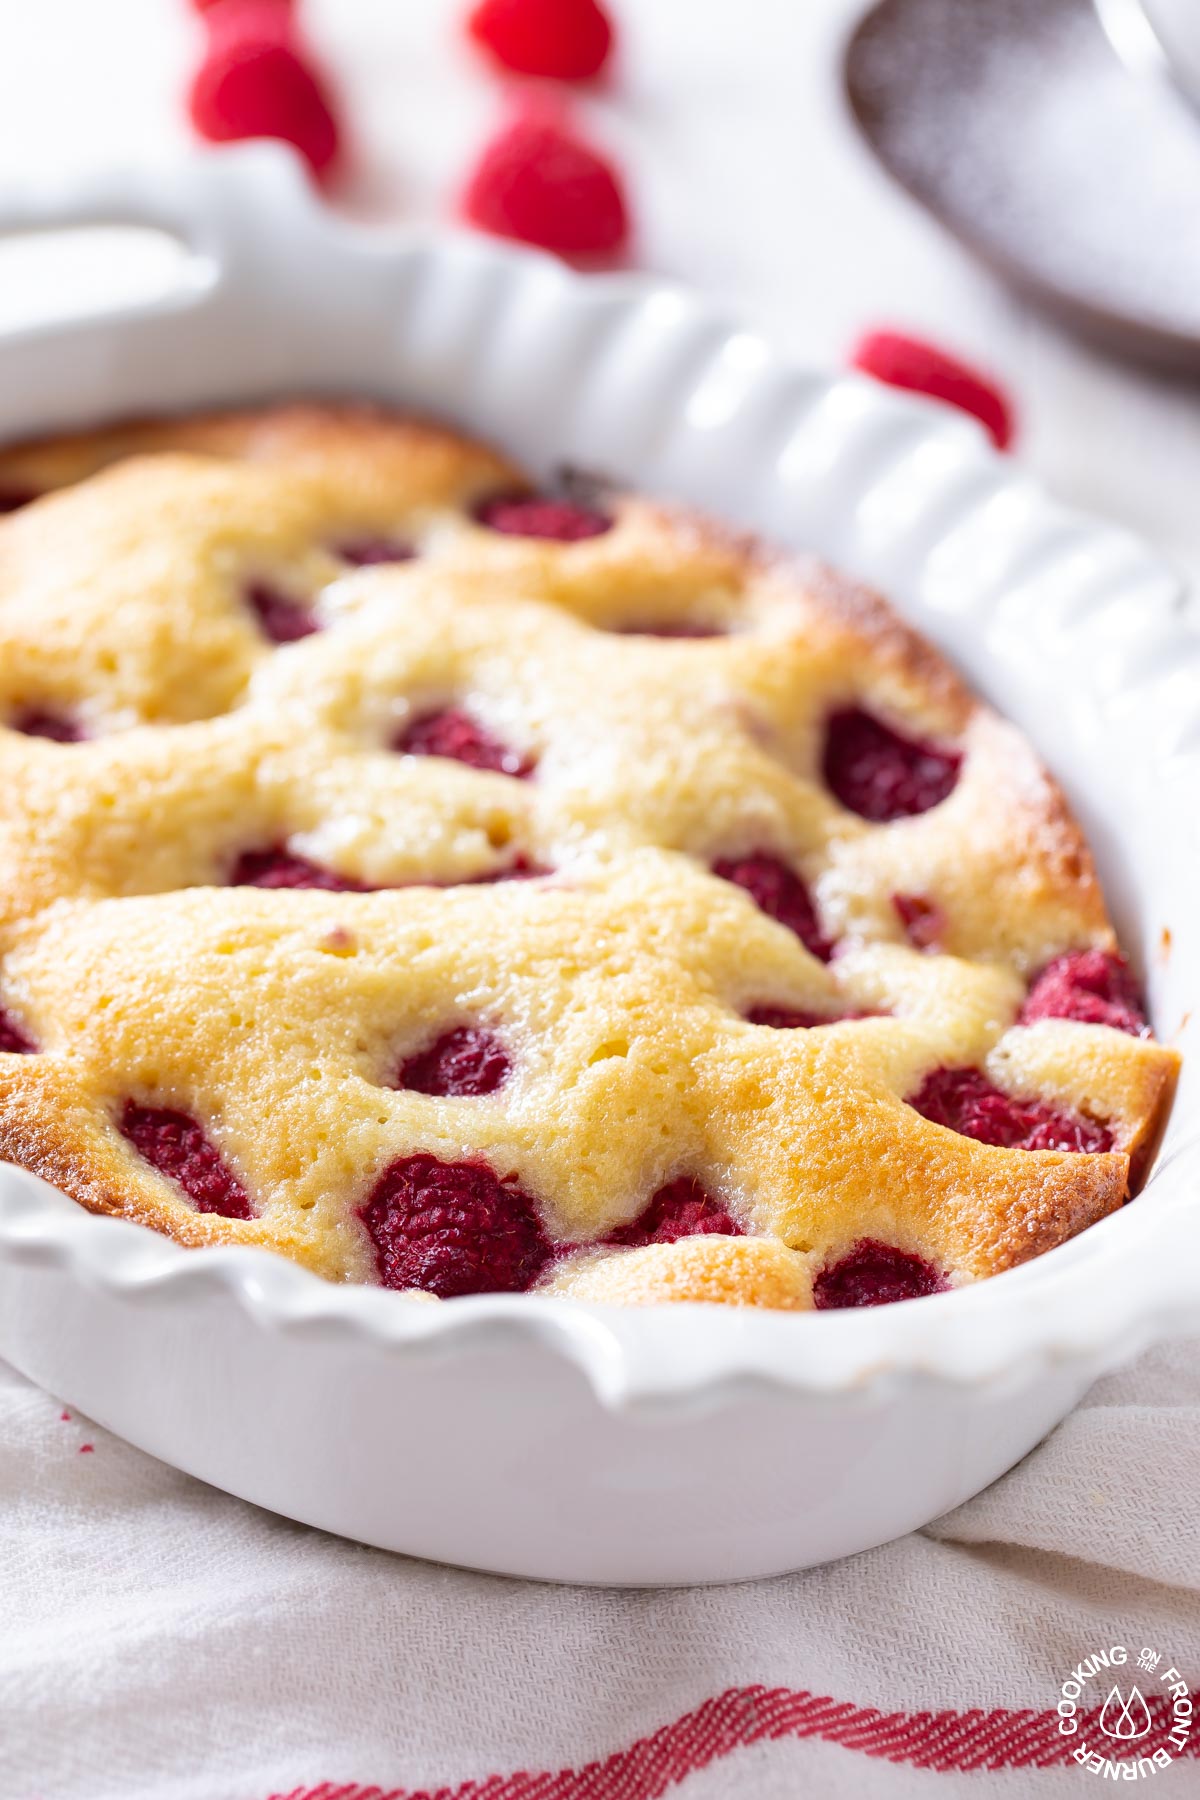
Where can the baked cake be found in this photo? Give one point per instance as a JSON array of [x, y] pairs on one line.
[[467, 890]]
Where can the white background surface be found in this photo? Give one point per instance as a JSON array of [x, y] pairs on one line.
[[159, 1640], [745, 173]]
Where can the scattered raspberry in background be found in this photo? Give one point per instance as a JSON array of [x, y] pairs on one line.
[[778, 891], [256, 82], [566, 40], [905, 362], [247, 18], [538, 183]]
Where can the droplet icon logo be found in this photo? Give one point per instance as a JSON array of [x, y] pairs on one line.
[[1125, 1719]]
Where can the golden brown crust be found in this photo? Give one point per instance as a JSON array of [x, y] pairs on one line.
[[726, 1271], [622, 980], [296, 434]]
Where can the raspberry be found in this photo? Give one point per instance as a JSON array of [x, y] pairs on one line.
[[13, 499], [13, 1041], [464, 1062], [276, 867], [283, 620], [365, 552], [879, 774], [564, 40], [37, 721], [537, 183], [175, 1145], [780, 893], [922, 918], [682, 1209], [252, 86], [453, 1228], [247, 21], [453, 733], [214, 9], [875, 1274], [781, 1018], [532, 515], [1094, 986], [672, 628], [904, 362], [964, 1100]]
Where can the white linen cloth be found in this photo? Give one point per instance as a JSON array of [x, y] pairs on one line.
[[161, 1641]]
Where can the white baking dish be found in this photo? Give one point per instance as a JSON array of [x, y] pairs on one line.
[[546, 1438]]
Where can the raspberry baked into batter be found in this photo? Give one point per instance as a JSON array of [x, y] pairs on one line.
[[470, 890]]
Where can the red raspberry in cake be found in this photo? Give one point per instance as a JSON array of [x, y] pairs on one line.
[[453, 733], [176, 1145], [540, 184], [276, 867], [13, 1041], [966, 1101], [923, 920], [364, 553], [780, 893], [782, 1018], [879, 774], [465, 1062], [40, 722], [453, 1228], [905, 362], [536, 516], [563, 40], [682, 1209], [875, 1274], [672, 628], [1093, 986], [282, 619], [255, 83]]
